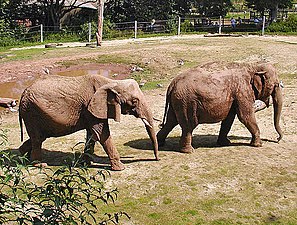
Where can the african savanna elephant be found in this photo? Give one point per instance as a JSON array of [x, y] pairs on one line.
[[218, 92], [55, 106]]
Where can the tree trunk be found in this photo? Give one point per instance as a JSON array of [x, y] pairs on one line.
[[100, 22]]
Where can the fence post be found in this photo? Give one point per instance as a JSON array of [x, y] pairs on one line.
[[178, 26], [90, 31], [135, 29], [41, 32], [263, 25], [220, 25]]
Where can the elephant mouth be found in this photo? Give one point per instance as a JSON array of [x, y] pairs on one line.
[[267, 102], [129, 111]]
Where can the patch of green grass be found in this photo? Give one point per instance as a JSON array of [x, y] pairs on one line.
[[192, 212], [153, 85], [288, 76], [185, 167], [167, 201], [155, 216], [191, 183], [25, 54], [209, 205], [222, 222]]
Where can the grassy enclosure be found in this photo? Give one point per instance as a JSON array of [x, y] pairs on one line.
[[238, 184]]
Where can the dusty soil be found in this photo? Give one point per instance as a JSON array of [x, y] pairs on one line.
[[214, 185]]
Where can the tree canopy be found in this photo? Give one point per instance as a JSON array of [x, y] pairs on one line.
[[268, 5], [51, 12]]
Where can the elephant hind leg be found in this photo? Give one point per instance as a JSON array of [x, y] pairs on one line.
[[170, 123], [90, 143], [225, 128], [186, 140]]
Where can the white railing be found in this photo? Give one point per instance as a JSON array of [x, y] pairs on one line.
[[134, 29]]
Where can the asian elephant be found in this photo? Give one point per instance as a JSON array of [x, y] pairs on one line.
[[55, 106], [217, 92]]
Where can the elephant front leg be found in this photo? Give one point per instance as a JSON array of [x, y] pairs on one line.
[[248, 118], [103, 134], [112, 153]]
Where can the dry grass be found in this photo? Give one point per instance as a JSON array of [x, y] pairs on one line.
[[230, 185]]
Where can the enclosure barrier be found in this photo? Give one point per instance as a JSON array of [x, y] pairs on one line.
[[136, 29]]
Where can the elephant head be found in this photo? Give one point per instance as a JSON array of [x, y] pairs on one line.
[[123, 97], [265, 83]]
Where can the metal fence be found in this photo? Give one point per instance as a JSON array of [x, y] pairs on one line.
[[134, 29]]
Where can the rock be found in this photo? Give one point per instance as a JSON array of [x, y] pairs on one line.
[[136, 68], [52, 45], [8, 103], [181, 62]]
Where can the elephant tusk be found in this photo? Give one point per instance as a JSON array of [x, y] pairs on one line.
[[146, 123]]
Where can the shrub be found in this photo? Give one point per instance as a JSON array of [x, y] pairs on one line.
[[67, 195], [171, 25], [187, 26], [289, 25]]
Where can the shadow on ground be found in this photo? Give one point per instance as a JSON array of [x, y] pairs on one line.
[[59, 158], [198, 141]]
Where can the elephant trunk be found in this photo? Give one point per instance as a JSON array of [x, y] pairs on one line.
[[148, 121], [151, 132], [277, 106]]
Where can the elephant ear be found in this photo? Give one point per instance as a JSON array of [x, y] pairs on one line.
[[258, 82], [105, 104]]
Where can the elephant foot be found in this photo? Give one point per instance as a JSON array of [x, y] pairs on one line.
[[256, 143], [187, 150], [223, 142], [117, 165]]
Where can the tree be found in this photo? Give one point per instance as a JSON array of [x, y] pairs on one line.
[[55, 10], [213, 7], [271, 5], [47, 12], [145, 10]]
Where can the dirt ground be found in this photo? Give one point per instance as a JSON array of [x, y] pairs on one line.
[[238, 184]]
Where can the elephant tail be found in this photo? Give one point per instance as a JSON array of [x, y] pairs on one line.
[[168, 96], [21, 126]]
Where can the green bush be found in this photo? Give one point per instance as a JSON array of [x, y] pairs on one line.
[[64, 196], [289, 25], [3, 137], [171, 26], [187, 26]]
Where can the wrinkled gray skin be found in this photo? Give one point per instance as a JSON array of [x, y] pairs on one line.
[[57, 106], [218, 92]]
